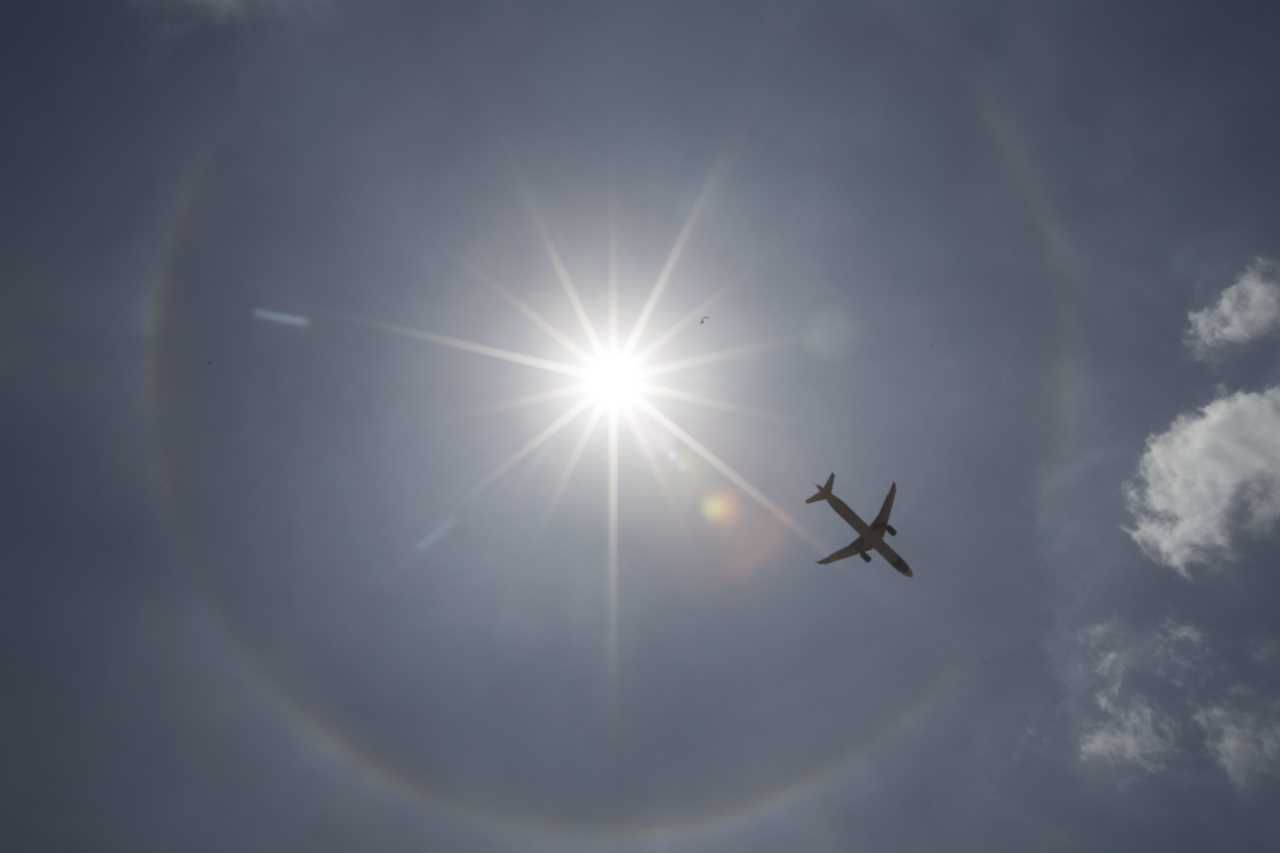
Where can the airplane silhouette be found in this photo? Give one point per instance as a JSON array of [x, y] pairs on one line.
[[870, 536]]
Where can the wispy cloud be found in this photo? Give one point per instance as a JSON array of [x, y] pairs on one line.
[[1210, 471], [1133, 732], [1246, 310], [1243, 735], [1128, 727], [1159, 693]]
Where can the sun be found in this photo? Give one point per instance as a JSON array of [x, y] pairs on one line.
[[613, 381]]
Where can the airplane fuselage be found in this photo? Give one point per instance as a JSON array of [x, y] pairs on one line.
[[869, 534]]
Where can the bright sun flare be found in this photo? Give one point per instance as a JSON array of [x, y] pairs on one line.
[[618, 381], [613, 381]]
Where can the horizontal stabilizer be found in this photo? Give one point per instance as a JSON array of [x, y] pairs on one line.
[[824, 491]]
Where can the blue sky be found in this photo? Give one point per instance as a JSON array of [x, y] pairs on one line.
[[286, 571]]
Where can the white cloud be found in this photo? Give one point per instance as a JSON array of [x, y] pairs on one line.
[[1209, 470], [1246, 310], [1245, 740]]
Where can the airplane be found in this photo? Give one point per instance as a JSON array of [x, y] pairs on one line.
[[870, 536]]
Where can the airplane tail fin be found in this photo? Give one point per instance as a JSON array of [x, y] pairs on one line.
[[824, 491]]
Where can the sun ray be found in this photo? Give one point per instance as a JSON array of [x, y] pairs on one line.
[[711, 403], [613, 554], [566, 282], [732, 475], [471, 347], [714, 357], [426, 543], [570, 466], [613, 273], [673, 258], [670, 334], [442, 529], [524, 402], [541, 323], [642, 442], [528, 447]]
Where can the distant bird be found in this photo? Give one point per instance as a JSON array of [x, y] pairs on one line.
[[704, 319]]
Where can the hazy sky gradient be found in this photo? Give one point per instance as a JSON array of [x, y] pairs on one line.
[[1018, 258]]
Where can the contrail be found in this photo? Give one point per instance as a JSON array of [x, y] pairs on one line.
[[295, 320]]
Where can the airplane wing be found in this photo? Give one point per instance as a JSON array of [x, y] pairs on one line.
[[894, 559], [854, 547], [882, 517], [850, 517]]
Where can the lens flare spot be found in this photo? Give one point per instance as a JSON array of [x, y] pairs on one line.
[[720, 507]]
